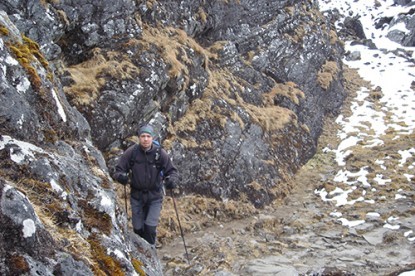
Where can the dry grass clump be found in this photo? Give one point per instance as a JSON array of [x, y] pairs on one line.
[[94, 219], [290, 10], [230, 1], [353, 82], [254, 185], [392, 237], [333, 37], [138, 267], [104, 264], [72, 241], [327, 74], [3, 30], [35, 51], [311, 18], [271, 118], [91, 75], [299, 34], [198, 110], [150, 3], [202, 15], [266, 223], [216, 48], [27, 54], [224, 87], [172, 44], [289, 90]]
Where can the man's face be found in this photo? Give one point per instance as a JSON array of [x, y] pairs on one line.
[[145, 140]]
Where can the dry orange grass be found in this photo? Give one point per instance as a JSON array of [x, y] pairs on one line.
[[91, 75], [327, 74], [288, 89], [173, 44], [224, 86]]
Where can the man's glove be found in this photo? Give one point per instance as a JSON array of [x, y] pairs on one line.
[[170, 183], [123, 178]]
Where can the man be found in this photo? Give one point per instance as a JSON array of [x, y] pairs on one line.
[[149, 165]]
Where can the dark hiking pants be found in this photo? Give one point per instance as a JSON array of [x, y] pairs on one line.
[[146, 208]]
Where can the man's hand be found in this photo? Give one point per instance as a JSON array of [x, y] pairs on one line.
[[123, 178], [170, 183]]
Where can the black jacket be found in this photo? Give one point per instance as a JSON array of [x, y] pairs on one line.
[[145, 173]]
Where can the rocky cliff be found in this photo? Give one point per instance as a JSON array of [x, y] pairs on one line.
[[238, 91]]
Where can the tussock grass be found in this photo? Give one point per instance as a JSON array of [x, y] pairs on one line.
[[3, 30], [173, 44], [106, 265], [288, 89], [202, 15], [333, 37], [223, 86], [28, 54], [91, 75], [327, 74]]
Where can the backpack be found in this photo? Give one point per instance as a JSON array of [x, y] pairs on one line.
[[157, 158]]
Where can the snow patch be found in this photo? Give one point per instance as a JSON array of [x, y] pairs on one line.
[[24, 150], [23, 85], [59, 105], [29, 228], [58, 189], [350, 223]]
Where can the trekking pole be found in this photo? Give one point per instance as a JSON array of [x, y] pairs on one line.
[[125, 201], [180, 226]]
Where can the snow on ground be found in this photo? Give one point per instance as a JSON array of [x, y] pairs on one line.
[[367, 11], [374, 122]]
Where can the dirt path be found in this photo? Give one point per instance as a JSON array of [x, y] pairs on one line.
[[253, 237], [304, 234]]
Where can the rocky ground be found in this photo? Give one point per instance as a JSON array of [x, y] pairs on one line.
[[301, 233]]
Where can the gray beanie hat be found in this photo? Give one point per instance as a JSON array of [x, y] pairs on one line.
[[146, 129]]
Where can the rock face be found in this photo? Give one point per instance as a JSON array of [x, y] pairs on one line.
[[401, 28], [238, 91]]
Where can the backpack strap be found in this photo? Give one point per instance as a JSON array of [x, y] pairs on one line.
[[133, 156], [157, 158]]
